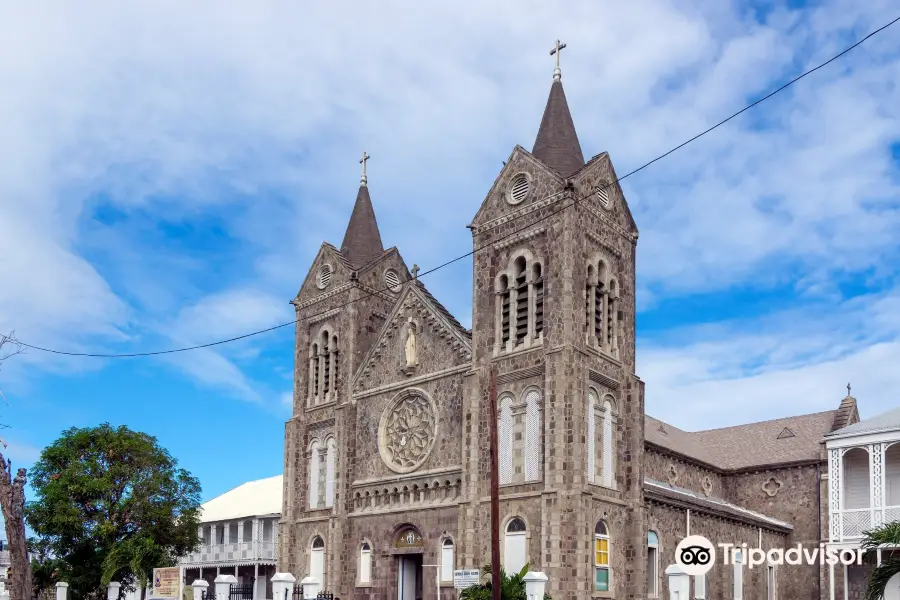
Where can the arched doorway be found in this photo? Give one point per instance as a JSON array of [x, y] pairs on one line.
[[408, 548]]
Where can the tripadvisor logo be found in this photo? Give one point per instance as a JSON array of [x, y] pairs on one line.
[[696, 555]]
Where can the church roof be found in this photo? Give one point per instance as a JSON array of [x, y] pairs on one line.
[[362, 241], [251, 499], [557, 144], [713, 503], [887, 421], [779, 441], [443, 310]]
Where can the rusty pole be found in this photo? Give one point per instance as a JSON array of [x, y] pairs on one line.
[[495, 493]]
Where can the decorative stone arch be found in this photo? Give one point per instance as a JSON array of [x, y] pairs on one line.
[[447, 554], [507, 405], [394, 451], [404, 543], [600, 265], [601, 565], [323, 366], [533, 399], [317, 556], [365, 552]]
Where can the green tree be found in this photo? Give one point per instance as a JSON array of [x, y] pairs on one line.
[[112, 504], [886, 535], [512, 587]]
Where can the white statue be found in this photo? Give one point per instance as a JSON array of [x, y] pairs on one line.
[[411, 359]]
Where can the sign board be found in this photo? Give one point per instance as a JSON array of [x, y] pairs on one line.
[[466, 578], [166, 582]]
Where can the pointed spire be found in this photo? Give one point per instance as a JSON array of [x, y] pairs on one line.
[[362, 242], [557, 144]]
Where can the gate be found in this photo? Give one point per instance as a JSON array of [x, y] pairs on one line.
[[241, 592]]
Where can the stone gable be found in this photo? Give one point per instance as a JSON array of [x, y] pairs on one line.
[[439, 345]]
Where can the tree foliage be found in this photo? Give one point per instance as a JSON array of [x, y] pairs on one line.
[[512, 587], [111, 504], [886, 535]]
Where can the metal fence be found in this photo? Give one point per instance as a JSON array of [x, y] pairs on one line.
[[241, 592]]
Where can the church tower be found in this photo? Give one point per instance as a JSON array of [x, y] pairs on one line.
[[342, 303], [553, 317]]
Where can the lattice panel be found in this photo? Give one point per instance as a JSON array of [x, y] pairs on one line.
[[533, 425], [855, 522], [608, 454], [330, 460], [892, 514], [877, 453], [504, 438], [313, 475], [591, 434]]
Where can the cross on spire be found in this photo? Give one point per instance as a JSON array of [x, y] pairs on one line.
[[415, 271], [363, 180], [848, 390], [557, 74]]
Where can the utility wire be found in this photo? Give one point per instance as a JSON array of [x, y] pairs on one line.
[[493, 241]]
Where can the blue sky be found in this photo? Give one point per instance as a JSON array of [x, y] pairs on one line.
[[169, 173]]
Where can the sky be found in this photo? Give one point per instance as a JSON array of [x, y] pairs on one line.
[[168, 172]]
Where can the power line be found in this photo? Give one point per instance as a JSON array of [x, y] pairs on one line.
[[468, 254]]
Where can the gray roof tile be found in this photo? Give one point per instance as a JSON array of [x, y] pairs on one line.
[[557, 144]]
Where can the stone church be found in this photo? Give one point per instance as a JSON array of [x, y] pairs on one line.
[[387, 461]]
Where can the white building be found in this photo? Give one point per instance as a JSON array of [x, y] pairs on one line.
[[239, 532], [863, 492]]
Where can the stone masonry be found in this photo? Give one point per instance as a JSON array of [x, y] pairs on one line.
[[387, 455]]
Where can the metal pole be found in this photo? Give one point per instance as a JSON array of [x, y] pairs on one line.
[[495, 493]]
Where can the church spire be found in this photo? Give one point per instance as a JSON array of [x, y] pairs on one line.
[[557, 143], [362, 242]]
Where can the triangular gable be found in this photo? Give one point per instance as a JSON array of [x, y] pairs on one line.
[[518, 154], [327, 254], [437, 334], [603, 158]]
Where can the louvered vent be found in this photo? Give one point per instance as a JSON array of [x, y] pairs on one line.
[[518, 190], [603, 195], [392, 280], [324, 276]]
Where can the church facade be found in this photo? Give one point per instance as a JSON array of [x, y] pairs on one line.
[[387, 457]]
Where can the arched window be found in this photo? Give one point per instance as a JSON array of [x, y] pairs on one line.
[[652, 564], [323, 368], [520, 279], [856, 479], [601, 440], [505, 440], [313, 474], [538, 281], [317, 560], [515, 555], [601, 557], [519, 435], [503, 310], [519, 292], [365, 563], [602, 308], [330, 459], [447, 563], [533, 434]]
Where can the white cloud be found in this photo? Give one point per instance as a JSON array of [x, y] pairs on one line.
[[170, 109]]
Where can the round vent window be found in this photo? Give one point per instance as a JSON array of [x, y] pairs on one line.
[[603, 195], [325, 276], [392, 280], [519, 188]]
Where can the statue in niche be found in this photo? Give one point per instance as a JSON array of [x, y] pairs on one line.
[[411, 357]]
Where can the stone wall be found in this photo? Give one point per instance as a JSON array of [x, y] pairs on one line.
[[670, 524], [792, 495], [683, 473]]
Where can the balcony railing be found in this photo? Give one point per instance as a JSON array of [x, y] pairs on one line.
[[232, 552], [854, 522]]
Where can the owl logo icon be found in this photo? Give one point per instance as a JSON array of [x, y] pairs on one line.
[[696, 555]]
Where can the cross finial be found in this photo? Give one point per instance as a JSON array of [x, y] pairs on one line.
[[848, 390], [557, 74], [415, 271], [363, 180]]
